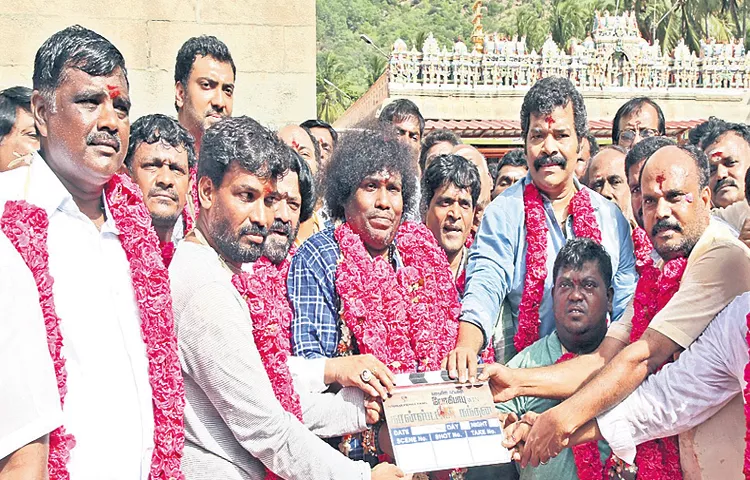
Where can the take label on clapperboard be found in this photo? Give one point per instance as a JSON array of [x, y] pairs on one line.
[[436, 424]]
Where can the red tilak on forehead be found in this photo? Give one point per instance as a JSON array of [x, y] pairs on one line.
[[660, 179], [717, 153], [550, 121], [114, 91]]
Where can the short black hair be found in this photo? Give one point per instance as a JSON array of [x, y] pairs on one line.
[[316, 145], [74, 47], [401, 109], [244, 141], [514, 158], [593, 145], [643, 150], [698, 156], [11, 99], [362, 153], [159, 128], [314, 123], [695, 135], [299, 166], [548, 94], [580, 250], [433, 138], [634, 105], [446, 170], [717, 129], [205, 46]]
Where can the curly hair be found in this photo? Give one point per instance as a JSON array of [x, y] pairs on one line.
[[715, 130], [548, 94], [155, 128], [361, 154], [244, 141], [299, 166]]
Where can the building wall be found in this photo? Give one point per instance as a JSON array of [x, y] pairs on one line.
[[272, 43]]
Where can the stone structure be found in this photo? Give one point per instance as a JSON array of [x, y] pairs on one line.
[[615, 56], [273, 45]]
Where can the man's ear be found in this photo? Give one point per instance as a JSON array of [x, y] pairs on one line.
[[706, 197], [206, 192], [610, 298], [179, 95], [39, 110]]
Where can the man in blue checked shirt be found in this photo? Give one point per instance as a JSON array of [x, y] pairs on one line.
[[553, 122]]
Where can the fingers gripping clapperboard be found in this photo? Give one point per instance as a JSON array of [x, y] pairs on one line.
[[438, 424]]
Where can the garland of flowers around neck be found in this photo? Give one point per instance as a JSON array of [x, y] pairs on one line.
[[657, 459], [168, 248], [26, 227], [407, 319], [746, 393], [584, 225], [265, 292]]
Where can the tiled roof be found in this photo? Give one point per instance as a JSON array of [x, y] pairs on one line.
[[512, 128]]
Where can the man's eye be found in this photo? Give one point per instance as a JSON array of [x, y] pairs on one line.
[[295, 206], [635, 189]]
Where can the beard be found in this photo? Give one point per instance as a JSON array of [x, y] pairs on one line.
[[683, 248], [229, 245], [275, 249]]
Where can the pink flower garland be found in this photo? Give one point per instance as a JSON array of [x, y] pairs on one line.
[[584, 225], [656, 459], [154, 299], [26, 227], [407, 319], [265, 293]]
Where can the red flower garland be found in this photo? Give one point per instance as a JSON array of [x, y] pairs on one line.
[[265, 292], [746, 393], [26, 227], [584, 225], [407, 319], [656, 459]]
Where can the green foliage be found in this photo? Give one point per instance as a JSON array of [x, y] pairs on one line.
[[355, 65]]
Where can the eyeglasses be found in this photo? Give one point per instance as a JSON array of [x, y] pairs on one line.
[[627, 137]]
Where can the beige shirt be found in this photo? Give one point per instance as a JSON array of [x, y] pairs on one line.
[[735, 214], [717, 271]]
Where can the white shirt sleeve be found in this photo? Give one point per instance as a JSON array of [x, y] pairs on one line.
[[308, 374], [685, 393], [29, 402]]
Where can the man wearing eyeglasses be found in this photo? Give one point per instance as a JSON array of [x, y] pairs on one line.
[[637, 119]]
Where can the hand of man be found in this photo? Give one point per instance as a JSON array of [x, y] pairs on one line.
[[501, 380], [547, 438], [352, 371], [461, 364], [515, 433], [745, 232], [387, 471], [373, 410]]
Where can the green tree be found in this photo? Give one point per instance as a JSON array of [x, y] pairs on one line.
[[334, 91]]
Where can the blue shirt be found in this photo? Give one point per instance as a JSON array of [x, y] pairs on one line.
[[496, 269]]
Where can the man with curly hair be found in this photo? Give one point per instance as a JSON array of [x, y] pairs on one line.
[[553, 124], [371, 182]]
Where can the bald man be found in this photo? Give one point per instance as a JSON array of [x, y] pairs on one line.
[[606, 176], [485, 194]]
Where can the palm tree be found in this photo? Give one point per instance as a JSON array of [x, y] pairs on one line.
[[375, 67], [334, 90]]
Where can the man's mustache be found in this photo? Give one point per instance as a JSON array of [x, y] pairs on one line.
[[665, 224], [284, 228], [161, 191], [724, 182], [103, 138], [546, 160], [253, 229]]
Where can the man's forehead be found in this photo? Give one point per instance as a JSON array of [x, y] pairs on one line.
[[322, 133], [558, 117], [288, 184], [208, 66], [450, 189], [383, 176], [608, 159], [642, 114], [726, 144], [669, 167], [76, 79], [161, 149], [588, 269]]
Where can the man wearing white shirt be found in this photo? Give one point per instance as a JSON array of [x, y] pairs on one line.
[[81, 106], [681, 396]]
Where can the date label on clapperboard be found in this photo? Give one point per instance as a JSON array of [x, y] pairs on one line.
[[436, 424]]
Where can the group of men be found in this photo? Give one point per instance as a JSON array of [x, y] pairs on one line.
[[203, 297]]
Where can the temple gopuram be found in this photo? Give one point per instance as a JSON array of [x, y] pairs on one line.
[[476, 90]]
